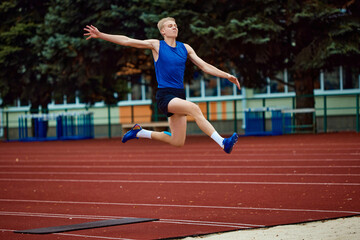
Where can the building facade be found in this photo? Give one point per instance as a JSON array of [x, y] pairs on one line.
[[336, 103]]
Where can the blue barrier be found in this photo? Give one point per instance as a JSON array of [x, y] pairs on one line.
[[255, 121], [79, 126], [74, 125]]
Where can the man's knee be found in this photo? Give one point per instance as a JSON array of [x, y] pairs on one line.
[[195, 110], [178, 143]]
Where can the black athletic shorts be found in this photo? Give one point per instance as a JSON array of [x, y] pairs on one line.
[[165, 95]]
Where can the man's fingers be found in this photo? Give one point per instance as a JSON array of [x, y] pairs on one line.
[[89, 28], [238, 84], [234, 80]]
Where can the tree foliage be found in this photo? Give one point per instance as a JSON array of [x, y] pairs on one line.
[[88, 67], [43, 53], [20, 77], [263, 37]]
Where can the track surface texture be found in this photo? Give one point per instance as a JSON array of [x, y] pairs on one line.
[[193, 190]]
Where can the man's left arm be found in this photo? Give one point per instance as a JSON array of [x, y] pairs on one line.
[[208, 68]]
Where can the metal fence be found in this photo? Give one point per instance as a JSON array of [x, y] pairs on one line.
[[328, 110]]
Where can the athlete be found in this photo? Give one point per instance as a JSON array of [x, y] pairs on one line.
[[169, 60]]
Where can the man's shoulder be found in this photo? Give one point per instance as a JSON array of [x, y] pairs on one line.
[[188, 47], [155, 43], [185, 44]]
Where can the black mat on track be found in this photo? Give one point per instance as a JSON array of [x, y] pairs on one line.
[[88, 225]]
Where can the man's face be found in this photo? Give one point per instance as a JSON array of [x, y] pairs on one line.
[[170, 29]]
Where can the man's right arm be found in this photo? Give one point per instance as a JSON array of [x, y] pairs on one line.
[[93, 32], [126, 41]]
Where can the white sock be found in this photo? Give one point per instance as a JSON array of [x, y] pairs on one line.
[[217, 138], [143, 133]]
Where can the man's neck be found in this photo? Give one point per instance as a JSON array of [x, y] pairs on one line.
[[170, 41]]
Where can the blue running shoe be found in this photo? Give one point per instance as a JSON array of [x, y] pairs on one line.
[[132, 133], [230, 142]]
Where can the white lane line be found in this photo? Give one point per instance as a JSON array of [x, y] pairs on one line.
[[211, 153], [172, 167], [257, 148], [202, 224], [173, 182], [185, 174], [55, 215], [207, 222], [90, 236], [75, 235], [319, 141], [177, 206], [249, 148], [67, 160], [174, 221], [246, 148]]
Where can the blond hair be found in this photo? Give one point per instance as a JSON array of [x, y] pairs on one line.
[[160, 24]]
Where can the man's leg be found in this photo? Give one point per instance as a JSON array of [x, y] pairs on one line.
[[181, 106], [177, 124], [184, 107], [177, 137]]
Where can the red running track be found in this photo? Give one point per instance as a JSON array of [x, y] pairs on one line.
[[193, 190]]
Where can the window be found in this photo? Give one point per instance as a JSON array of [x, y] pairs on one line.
[[195, 86], [261, 90], [148, 88], [227, 87], [135, 87], [338, 78], [210, 85], [332, 79], [350, 77], [277, 86]]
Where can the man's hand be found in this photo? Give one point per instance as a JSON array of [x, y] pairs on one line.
[[93, 32], [234, 80]]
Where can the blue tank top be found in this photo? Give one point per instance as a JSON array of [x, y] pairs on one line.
[[170, 66]]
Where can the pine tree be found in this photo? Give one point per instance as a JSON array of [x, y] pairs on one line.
[[262, 37], [20, 76], [89, 67]]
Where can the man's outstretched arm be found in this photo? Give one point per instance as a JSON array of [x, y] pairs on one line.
[[208, 68], [93, 32]]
